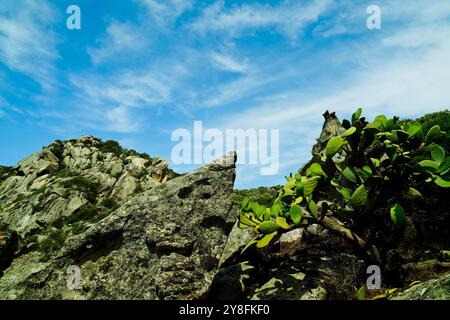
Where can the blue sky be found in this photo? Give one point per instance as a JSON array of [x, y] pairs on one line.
[[139, 69]]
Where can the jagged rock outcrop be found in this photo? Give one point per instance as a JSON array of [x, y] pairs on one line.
[[164, 243]]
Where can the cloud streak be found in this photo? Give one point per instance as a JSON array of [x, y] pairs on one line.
[[23, 48], [164, 12], [228, 63], [120, 40], [289, 18]]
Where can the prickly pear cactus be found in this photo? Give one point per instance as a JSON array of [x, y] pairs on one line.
[[362, 176]]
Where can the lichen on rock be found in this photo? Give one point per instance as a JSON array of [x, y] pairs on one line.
[[163, 243]]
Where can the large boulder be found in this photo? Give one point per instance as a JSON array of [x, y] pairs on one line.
[[436, 289], [165, 243]]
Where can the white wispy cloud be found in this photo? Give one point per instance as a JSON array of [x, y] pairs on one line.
[[289, 18], [418, 37], [129, 88], [115, 102], [27, 41], [411, 82], [167, 11], [234, 91], [228, 63], [120, 119], [120, 40]]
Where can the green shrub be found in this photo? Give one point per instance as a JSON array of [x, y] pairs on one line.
[[78, 227], [110, 204], [58, 223], [138, 189], [90, 213], [5, 173], [363, 179], [263, 195], [54, 241], [83, 185], [66, 173], [30, 241], [142, 173], [57, 148], [442, 119], [111, 146], [20, 197], [87, 212]]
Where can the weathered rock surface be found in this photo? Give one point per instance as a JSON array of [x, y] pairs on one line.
[[436, 289], [165, 243], [231, 283], [330, 277], [67, 177], [305, 265], [237, 239]]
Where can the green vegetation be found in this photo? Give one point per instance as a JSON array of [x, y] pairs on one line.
[[5, 173], [87, 212], [110, 204], [53, 241], [442, 119], [92, 213], [362, 180], [66, 173], [263, 195], [111, 146], [142, 173], [83, 185], [57, 148], [49, 241]]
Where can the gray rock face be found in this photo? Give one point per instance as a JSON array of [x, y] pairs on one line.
[[315, 278], [165, 243], [312, 277], [237, 239], [436, 289], [290, 242], [231, 282], [66, 177]]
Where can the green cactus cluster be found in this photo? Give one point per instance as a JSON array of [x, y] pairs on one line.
[[363, 178]]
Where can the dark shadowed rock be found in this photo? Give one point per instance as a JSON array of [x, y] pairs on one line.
[[313, 278], [231, 283]]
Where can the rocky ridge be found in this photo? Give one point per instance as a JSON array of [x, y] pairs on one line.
[[68, 186], [136, 230], [161, 238]]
